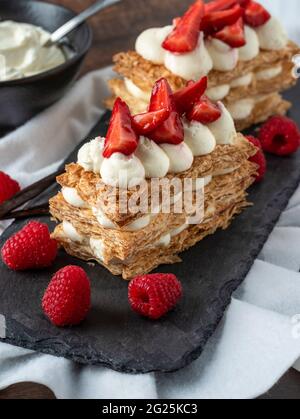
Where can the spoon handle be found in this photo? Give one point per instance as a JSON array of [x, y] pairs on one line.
[[78, 20]]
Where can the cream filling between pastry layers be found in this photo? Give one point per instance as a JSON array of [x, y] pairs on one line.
[[241, 109], [269, 73], [136, 92], [218, 93], [72, 197], [137, 224], [243, 81]]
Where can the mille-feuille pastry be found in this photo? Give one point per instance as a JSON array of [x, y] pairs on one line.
[[183, 137], [242, 49]]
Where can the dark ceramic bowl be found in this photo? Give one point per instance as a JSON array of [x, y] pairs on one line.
[[22, 99]]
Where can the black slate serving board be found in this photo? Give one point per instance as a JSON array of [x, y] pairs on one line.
[[113, 335]]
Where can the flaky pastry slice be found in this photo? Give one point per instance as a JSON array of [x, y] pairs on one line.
[[182, 138], [243, 50]]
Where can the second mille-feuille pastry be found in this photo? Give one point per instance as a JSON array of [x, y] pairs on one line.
[[242, 49], [182, 137]]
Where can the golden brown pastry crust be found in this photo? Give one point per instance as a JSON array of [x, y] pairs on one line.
[[282, 82], [144, 73], [151, 258], [97, 194], [219, 194]]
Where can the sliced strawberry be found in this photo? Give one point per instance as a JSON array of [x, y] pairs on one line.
[[161, 97], [216, 21], [144, 123], [233, 35], [204, 111], [170, 131], [244, 3], [184, 38], [186, 97], [218, 5], [256, 15], [121, 137]]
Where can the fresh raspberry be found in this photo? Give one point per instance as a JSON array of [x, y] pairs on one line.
[[280, 136], [8, 187], [154, 295], [30, 248], [259, 158], [67, 299]]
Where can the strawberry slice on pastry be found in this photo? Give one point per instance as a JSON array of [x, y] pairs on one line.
[[256, 15], [218, 5], [233, 35], [121, 137], [171, 130], [185, 98], [146, 122], [204, 111], [184, 38], [218, 20]]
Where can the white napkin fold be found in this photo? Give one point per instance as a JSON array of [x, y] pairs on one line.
[[259, 337]]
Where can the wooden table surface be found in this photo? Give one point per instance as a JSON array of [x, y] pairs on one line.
[[115, 30]]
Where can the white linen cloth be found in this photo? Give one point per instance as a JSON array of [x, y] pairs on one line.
[[259, 337]]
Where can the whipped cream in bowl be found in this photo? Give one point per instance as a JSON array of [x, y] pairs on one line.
[[23, 51], [35, 76]]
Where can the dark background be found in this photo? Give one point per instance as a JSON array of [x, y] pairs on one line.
[[115, 30]]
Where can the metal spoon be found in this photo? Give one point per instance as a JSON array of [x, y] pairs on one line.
[[78, 20]]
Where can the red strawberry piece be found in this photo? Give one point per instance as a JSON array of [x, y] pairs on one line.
[[259, 158], [204, 111], [233, 35], [243, 3], [144, 123], [121, 137], [189, 95], [30, 248], [170, 131], [154, 295], [218, 5], [184, 38], [256, 15], [8, 187], [280, 136], [216, 21], [67, 299]]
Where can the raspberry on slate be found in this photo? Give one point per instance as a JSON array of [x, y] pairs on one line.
[[280, 135], [67, 299], [30, 248], [154, 295], [259, 158]]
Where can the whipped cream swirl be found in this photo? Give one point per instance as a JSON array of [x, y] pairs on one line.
[[23, 49]]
